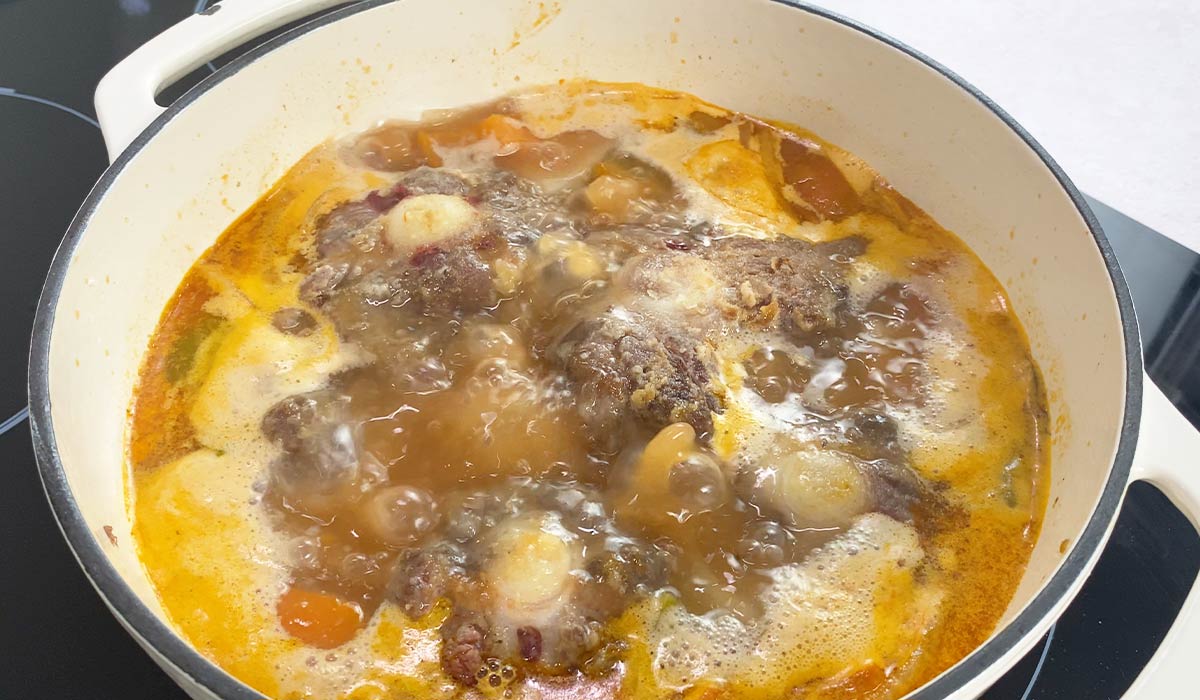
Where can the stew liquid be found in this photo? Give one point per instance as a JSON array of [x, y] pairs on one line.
[[593, 391]]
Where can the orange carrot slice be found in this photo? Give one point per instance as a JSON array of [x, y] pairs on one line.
[[318, 619]]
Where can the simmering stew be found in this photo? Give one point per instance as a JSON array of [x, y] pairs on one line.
[[592, 391]]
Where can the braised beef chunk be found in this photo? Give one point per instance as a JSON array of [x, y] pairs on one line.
[[382, 201], [452, 280], [791, 282], [427, 180], [671, 382], [617, 576], [870, 434], [319, 467], [628, 369], [423, 576], [347, 226], [357, 225], [654, 368], [288, 422], [294, 321], [529, 638], [319, 479], [895, 488], [319, 286], [462, 647], [518, 209]]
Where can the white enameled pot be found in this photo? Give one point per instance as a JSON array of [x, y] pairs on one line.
[[180, 176]]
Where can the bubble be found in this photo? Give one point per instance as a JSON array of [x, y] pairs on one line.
[[401, 515], [765, 543]]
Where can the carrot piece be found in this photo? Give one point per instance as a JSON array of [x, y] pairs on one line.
[[318, 619], [469, 128], [505, 130], [425, 143], [395, 147]]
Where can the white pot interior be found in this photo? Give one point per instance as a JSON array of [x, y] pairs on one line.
[[934, 141]]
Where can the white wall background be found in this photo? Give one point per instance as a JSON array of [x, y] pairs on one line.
[[1110, 87]]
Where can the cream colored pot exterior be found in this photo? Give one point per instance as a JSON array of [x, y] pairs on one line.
[[169, 195]]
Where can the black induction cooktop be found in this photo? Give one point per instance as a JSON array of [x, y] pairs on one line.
[[58, 641]]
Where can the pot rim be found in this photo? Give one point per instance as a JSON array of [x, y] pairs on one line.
[[153, 633]]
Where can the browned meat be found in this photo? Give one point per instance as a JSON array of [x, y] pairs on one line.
[[900, 492], [670, 381], [627, 368], [486, 638], [872, 435], [649, 363], [427, 180], [294, 321], [356, 225], [786, 281], [618, 577], [479, 648], [320, 465], [518, 209], [338, 231], [529, 640], [286, 423], [462, 648], [896, 489], [452, 280], [322, 282], [422, 576]]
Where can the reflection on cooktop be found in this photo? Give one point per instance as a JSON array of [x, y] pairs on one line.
[[60, 641]]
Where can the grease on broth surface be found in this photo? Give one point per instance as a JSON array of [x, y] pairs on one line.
[[594, 389]]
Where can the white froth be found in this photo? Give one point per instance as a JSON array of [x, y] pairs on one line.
[[258, 366], [819, 618]]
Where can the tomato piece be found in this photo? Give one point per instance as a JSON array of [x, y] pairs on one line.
[[318, 619]]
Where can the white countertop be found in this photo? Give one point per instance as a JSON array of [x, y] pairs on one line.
[[1111, 88]]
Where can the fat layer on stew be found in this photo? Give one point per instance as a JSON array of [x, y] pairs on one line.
[[593, 391]]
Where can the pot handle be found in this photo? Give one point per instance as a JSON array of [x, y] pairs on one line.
[[1168, 456], [125, 95]]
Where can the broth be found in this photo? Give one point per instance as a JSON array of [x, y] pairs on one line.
[[593, 389]]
